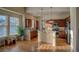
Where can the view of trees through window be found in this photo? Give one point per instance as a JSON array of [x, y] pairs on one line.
[[3, 29], [13, 24]]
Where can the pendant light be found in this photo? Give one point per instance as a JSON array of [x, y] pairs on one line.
[[51, 12], [42, 19]]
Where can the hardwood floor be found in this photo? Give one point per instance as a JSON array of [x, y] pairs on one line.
[[34, 46], [61, 46]]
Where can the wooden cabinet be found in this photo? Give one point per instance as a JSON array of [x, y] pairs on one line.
[[62, 34], [33, 34], [37, 24], [28, 23], [61, 23], [67, 19], [33, 25]]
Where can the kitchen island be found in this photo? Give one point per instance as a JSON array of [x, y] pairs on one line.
[[47, 36]]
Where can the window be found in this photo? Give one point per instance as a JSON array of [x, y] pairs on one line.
[[14, 23], [3, 23], [8, 25]]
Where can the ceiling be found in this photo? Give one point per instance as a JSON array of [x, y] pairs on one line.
[[48, 11]]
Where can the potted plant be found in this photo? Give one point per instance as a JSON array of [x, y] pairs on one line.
[[21, 32]]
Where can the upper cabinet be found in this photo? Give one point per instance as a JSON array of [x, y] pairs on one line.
[[28, 23], [37, 24], [60, 22], [32, 24], [68, 19]]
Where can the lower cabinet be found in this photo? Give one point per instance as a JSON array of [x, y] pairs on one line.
[[33, 34]]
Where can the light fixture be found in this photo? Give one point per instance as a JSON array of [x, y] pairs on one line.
[[42, 19], [50, 13]]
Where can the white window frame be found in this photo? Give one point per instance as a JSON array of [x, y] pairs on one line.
[[17, 13], [14, 25], [5, 26]]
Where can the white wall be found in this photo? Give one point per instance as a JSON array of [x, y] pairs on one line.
[[74, 13], [73, 28], [77, 25]]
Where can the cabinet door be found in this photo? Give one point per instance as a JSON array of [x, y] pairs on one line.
[[29, 23], [68, 19], [61, 23], [37, 24]]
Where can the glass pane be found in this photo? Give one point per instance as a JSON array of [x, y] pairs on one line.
[[3, 29], [12, 29], [14, 21], [2, 20], [17, 21]]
